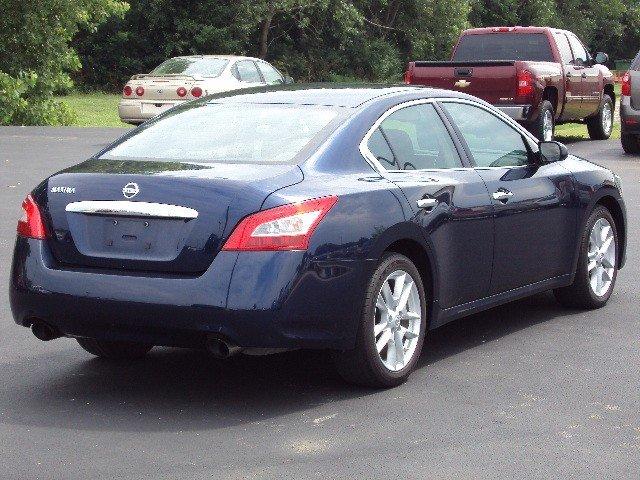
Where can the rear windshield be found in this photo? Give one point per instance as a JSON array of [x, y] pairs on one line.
[[228, 133], [207, 67], [504, 46]]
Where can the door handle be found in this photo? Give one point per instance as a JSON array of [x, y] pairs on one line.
[[427, 203], [502, 195], [584, 75]]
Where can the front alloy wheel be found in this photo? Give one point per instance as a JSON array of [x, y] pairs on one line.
[[391, 327], [597, 263]]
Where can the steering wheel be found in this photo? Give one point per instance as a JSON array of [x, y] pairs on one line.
[[407, 165]]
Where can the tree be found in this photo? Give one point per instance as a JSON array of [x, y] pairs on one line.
[[35, 57]]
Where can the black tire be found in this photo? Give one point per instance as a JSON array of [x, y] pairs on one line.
[[594, 124], [538, 127], [580, 294], [630, 144], [114, 350], [362, 365]]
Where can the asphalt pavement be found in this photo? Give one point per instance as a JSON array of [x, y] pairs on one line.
[[527, 390]]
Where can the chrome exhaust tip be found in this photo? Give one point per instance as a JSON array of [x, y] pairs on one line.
[[221, 348]]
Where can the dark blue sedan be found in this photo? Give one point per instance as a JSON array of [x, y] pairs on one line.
[[350, 219]]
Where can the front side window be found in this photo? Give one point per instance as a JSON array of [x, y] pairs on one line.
[[207, 67], [270, 74], [414, 138], [492, 142], [564, 48], [580, 54], [224, 133], [248, 72]]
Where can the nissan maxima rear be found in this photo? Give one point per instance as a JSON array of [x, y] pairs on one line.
[[346, 219]]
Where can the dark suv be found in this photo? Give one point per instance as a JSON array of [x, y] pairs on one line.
[[630, 108]]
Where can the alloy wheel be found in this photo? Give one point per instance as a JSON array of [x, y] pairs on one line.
[[607, 118], [547, 126], [601, 257], [398, 317]]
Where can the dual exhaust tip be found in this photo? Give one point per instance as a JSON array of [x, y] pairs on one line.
[[216, 346]]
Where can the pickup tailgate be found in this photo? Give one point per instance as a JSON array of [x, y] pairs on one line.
[[492, 81]]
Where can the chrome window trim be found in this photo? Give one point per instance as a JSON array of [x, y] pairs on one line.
[[123, 208], [376, 165]]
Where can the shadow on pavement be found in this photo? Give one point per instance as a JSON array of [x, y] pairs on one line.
[[183, 390]]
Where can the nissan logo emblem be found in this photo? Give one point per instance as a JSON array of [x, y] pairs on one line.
[[130, 190]]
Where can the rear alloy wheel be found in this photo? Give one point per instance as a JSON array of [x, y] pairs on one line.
[[114, 350], [601, 125], [392, 326], [597, 264], [630, 144]]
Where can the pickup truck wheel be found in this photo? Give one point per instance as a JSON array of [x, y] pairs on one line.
[[601, 125], [543, 128], [630, 144]]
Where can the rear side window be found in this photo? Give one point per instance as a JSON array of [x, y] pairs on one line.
[[248, 72], [414, 138], [564, 48], [504, 46], [492, 142], [228, 133]]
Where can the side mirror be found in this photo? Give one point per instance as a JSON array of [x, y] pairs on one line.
[[288, 80], [601, 58], [553, 152]]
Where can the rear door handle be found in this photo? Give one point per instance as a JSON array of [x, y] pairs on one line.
[[427, 203], [584, 75], [502, 195]]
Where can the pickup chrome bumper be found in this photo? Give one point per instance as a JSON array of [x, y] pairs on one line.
[[517, 112]]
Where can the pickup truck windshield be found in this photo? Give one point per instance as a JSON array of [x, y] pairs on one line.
[[504, 46]]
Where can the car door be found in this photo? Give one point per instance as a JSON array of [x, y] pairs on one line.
[[411, 145], [590, 91], [247, 72], [573, 78], [535, 218]]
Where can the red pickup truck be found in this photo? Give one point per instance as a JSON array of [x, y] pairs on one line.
[[538, 76]]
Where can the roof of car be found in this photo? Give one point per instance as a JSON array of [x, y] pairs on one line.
[[228, 57], [336, 95], [506, 29]]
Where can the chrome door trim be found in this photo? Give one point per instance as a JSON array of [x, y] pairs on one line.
[[123, 208]]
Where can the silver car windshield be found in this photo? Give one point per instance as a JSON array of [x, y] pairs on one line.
[[207, 67], [228, 133]]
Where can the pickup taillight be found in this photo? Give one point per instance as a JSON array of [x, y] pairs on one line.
[[626, 84], [525, 84], [408, 75]]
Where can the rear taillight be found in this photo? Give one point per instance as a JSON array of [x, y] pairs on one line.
[[127, 91], [288, 227], [181, 91], [196, 92], [30, 224], [140, 91], [408, 77], [525, 83], [626, 84]]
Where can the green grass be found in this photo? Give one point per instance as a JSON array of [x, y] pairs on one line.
[[94, 109]]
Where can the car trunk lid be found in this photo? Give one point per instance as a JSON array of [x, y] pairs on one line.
[[152, 216]]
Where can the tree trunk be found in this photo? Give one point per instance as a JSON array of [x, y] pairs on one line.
[[264, 30]]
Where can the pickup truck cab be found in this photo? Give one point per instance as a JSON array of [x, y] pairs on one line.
[[539, 76]]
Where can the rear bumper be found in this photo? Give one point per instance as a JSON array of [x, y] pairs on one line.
[[255, 299], [517, 112], [132, 110], [629, 117]]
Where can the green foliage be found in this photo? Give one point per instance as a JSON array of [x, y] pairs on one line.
[[35, 57]]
